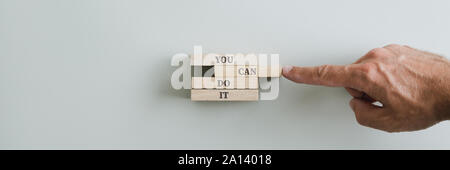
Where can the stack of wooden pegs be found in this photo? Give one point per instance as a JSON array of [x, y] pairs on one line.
[[235, 78]]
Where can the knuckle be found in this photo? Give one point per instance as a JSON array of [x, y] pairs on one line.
[[393, 46], [409, 47], [369, 71], [376, 52], [322, 71], [367, 68]]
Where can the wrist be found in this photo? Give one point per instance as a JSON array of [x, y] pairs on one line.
[[446, 102], [445, 91], [440, 91]]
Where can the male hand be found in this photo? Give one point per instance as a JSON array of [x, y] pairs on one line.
[[412, 85]]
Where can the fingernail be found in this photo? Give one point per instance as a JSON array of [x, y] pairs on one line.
[[286, 69]]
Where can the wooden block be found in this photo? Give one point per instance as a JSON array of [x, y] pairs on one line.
[[224, 95], [219, 70], [253, 83], [230, 71], [209, 82], [269, 71], [211, 59], [247, 71], [224, 70], [226, 59], [235, 71], [197, 82], [247, 82], [241, 82], [203, 83], [249, 59], [225, 83]]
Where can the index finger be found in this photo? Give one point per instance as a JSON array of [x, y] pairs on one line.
[[325, 75]]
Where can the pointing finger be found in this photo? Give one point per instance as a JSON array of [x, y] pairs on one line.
[[326, 75]]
